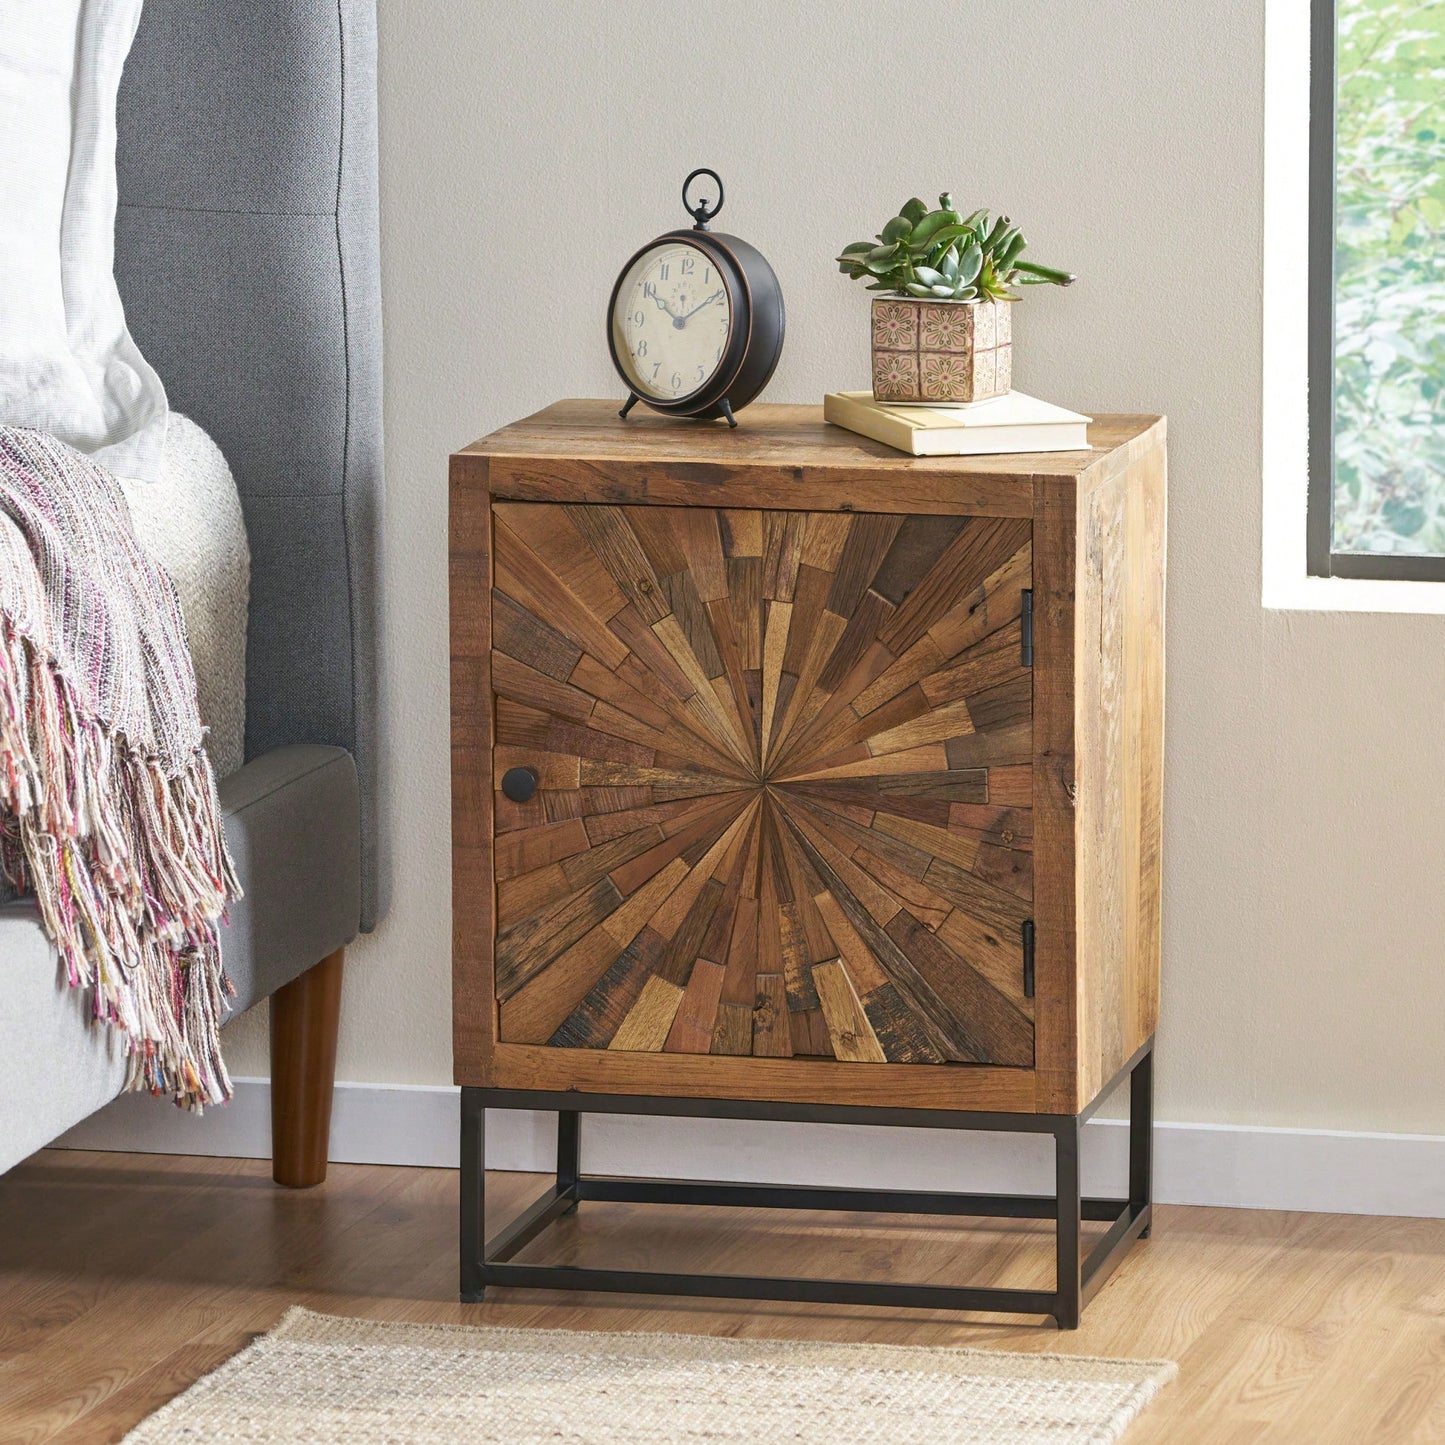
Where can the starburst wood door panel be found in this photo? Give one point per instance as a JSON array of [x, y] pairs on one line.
[[784, 766]]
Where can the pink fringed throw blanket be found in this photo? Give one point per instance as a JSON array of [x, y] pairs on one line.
[[108, 806]]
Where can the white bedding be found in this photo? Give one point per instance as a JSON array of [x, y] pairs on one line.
[[189, 520]]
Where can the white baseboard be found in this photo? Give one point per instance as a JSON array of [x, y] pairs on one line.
[[1216, 1164]]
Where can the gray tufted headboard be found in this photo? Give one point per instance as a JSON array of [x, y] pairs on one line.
[[247, 256]]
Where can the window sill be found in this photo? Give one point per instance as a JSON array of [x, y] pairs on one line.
[[1353, 594]]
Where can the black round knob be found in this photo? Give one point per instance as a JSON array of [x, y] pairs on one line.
[[519, 784]]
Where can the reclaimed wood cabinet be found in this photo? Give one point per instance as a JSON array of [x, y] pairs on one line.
[[793, 773]]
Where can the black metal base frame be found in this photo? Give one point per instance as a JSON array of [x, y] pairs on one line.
[[1077, 1278]]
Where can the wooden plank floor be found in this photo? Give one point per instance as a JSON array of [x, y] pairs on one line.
[[125, 1277]]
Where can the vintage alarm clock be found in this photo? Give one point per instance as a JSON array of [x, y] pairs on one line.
[[695, 324]]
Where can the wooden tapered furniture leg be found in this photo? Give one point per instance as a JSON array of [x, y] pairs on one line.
[[304, 1016]]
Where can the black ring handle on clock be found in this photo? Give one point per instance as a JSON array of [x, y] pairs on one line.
[[701, 213], [519, 784]]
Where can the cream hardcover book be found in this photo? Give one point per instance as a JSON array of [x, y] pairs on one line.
[[1014, 422]]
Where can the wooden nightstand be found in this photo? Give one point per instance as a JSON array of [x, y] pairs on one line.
[[796, 778]]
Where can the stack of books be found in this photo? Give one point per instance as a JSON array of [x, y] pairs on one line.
[[1010, 423]]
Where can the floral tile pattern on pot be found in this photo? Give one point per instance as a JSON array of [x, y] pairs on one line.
[[946, 328], [945, 374], [1004, 377], [985, 373], [985, 327], [895, 375], [895, 326]]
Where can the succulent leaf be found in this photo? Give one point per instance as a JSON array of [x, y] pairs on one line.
[[952, 233], [897, 229], [996, 231], [1008, 254], [914, 211], [931, 224], [1047, 274]]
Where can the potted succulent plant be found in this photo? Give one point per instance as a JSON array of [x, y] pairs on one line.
[[944, 331]]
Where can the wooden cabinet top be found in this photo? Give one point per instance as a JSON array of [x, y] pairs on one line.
[[796, 437]]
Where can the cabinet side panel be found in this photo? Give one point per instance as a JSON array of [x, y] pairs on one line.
[[1145, 661], [1119, 738], [470, 584], [1056, 985], [1102, 708]]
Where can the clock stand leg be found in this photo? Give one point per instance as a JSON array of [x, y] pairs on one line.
[[628, 405], [727, 410]]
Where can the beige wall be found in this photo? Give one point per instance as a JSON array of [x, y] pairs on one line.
[[528, 149]]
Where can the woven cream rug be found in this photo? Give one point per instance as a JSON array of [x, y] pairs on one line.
[[319, 1379]]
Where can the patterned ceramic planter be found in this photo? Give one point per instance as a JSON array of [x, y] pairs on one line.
[[941, 350]]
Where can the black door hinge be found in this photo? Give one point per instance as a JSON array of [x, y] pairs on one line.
[[1026, 628], [1026, 929]]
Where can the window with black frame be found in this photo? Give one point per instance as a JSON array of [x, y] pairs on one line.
[[1377, 289]]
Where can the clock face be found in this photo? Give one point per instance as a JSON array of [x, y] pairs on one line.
[[671, 320]]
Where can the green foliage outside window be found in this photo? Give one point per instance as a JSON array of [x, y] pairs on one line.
[[1390, 278]]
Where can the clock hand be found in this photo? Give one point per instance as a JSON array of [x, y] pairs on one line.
[[701, 304], [666, 307]]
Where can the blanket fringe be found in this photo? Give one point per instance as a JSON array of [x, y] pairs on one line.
[[130, 868]]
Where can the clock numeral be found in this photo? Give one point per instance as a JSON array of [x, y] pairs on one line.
[[701, 372], [718, 357], [641, 349], [656, 367], [648, 290], [676, 380], [688, 266], [706, 274], [638, 317], [663, 271]]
